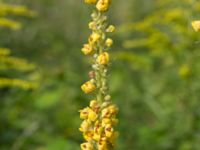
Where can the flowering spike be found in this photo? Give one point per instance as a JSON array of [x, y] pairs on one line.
[[99, 118]]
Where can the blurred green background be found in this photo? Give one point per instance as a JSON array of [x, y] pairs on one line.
[[154, 77]]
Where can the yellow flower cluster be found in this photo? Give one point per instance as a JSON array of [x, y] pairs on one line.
[[4, 51], [99, 118], [4, 22], [97, 126], [101, 5], [6, 9], [26, 85]]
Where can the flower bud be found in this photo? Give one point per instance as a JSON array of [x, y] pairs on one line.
[[91, 74], [109, 42], [103, 5], [111, 28]]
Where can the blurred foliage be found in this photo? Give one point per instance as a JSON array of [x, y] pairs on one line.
[[163, 52], [154, 77], [9, 63]]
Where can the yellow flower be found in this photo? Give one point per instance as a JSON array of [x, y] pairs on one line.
[[113, 109], [196, 25], [98, 128], [109, 130], [87, 49], [88, 136], [106, 121], [96, 137], [84, 113], [85, 125], [102, 145], [94, 37], [90, 1], [111, 28], [105, 113], [88, 87], [94, 104], [109, 42], [92, 25], [87, 146], [103, 5], [92, 116], [103, 59]]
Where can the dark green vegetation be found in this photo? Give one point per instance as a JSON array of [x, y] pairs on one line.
[[154, 76]]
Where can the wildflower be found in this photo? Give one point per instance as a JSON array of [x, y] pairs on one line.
[[109, 42], [88, 87], [92, 25], [90, 1], [105, 113], [113, 109], [103, 59], [94, 104], [111, 28], [97, 137], [109, 131], [99, 118], [196, 25], [87, 146], [92, 116], [87, 49], [84, 113], [106, 121], [94, 37], [103, 5], [85, 125]]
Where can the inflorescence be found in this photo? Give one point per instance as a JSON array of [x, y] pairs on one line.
[[99, 118]]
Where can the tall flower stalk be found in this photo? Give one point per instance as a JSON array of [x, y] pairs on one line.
[[99, 118]]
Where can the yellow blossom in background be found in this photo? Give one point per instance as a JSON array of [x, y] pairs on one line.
[[4, 22], [103, 59], [10, 63], [184, 71], [196, 25]]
